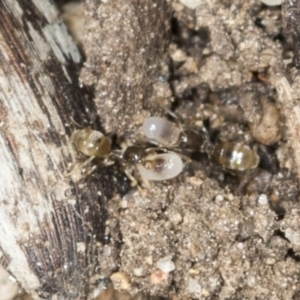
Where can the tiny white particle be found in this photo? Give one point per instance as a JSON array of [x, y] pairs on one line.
[[262, 199], [72, 201], [272, 2], [191, 3], [166, 264]]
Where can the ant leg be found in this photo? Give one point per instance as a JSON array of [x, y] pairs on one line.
[[207, 147], [146, 183], [109, 160], [76, 173], [75, 123], [133, 180], [185, 158], [87, 161], [155, 149], [174, 116], [245, 177], [90, 171]]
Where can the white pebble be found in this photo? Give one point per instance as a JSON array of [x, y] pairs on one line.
[[124, 203], [149, 260], [271, 2], [166, 264], [194, 287], [81, 247], [262, 199], [138, 272], [219, 198], [175, 218], [270, 261], [293, 236], [191, 3], [251, 281]]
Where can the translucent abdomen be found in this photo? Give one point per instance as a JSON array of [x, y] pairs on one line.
[[91, 142], [235, 156], [162, 166], [162, 131]]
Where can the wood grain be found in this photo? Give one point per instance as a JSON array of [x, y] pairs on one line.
[[49, 225]]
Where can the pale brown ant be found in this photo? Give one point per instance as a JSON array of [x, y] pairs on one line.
[[230, 155], [153, 164]]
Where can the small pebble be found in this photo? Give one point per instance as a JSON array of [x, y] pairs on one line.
[[219, 198], [293, 236], [107, 251], [251, 281], [193, 271], [270, 261], [230, 197], [175, 218], [194, 249], [195, 181], [166, 264], [194, 287], [121, 281], [272, 2], [149, 260], [124, 203], [138, 272], [158, 277], [191, 3], [81, 247], [262, 199]]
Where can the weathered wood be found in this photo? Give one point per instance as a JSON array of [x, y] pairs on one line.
[[51, 229]]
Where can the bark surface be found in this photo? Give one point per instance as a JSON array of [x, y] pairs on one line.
[[49, 225]]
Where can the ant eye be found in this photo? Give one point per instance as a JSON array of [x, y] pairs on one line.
[[161, 131], [158, 167]]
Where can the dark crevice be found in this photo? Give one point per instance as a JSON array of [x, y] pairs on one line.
[[293, 255], [278, 209]]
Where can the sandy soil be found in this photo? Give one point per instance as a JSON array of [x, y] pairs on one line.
[[229, 235]]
